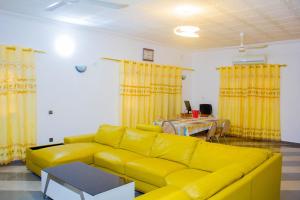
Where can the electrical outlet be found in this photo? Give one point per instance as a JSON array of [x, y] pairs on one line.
[[50, 139]]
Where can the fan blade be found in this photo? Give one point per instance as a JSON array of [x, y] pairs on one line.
[[55, 5], [109, 4], [257, 46]]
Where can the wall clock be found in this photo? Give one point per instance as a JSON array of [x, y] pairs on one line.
[[148, 54]]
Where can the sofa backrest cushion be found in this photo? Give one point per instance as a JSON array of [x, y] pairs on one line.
[[212, 157], [138, 141], [148, 127], [109, 135], [212, 183], [174, 148]]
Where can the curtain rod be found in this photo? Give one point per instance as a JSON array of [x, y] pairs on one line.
[[283, 65], [27, 49], [118, 60]]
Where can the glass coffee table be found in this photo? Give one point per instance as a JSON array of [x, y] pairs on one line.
[[80, 181]]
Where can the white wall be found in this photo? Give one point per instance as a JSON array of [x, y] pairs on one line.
[[205, 81], [80, 101], [83, 101]]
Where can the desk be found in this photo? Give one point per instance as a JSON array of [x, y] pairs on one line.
[[189, 126]]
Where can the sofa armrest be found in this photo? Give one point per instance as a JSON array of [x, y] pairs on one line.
[[79, 138], [210, 184], [261, 183], [266, 179]]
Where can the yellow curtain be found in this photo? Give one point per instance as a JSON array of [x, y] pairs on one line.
[[250, 98], [17, 103], [148, 92]]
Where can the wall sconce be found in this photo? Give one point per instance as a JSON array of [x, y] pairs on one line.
[[81, 68]]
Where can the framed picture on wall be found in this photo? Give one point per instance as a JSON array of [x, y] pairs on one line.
[[148, 54]]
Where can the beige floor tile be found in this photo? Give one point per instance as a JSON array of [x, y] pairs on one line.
[[14, 169], [290, 185], [289, 149], [291, 169], [20, 185], [291, 158]]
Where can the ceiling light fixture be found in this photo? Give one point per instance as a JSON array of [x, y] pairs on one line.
[[187, 10], [187, 31]]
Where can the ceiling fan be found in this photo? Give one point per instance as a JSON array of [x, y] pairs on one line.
[[106, 4], [243, 48]]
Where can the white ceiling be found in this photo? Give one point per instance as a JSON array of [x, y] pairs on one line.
[[220, 21]]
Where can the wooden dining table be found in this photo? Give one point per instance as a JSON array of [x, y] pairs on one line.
[[187, 126]]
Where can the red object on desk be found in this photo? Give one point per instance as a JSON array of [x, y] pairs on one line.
[[195, 113]]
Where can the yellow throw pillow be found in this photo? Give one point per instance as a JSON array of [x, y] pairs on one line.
[[110, 135]]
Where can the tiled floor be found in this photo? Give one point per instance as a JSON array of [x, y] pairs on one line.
[[17, 183]]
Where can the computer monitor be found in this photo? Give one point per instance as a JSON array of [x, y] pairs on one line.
[[188, 106], [206, 109]]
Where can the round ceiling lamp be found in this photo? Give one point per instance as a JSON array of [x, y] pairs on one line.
[[187, 31]]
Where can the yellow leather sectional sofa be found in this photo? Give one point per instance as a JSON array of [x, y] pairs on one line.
[[169, 167]]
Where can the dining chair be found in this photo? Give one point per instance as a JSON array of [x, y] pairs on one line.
[[168, 127], [225, 126], [211, 132]]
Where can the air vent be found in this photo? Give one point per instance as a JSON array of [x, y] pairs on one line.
[[250, 59]]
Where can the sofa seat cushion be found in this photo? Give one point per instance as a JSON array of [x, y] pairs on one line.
[[174, 148], [138, 141], [185, 176], [151, 170], [212, 157], [110, 135], [165, 193], [56, 155], [115, 159]]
